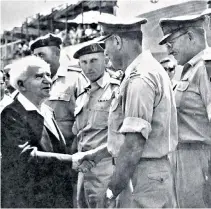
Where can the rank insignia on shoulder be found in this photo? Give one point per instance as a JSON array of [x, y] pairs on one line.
[[134, 74], [74, 68]]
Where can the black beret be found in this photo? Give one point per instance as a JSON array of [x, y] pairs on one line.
[[89, 49], [47, 40]]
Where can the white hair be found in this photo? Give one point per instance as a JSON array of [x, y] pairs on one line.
[[21, 68]]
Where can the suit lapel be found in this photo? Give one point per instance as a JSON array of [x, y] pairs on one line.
[[49, 121], [62, 139], [38, 131]]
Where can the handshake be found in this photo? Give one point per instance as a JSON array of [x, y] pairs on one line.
[[83, 161]]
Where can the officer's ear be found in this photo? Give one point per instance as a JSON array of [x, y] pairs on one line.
[[118, 41], [190, 35], [79, 63], [21, 85]]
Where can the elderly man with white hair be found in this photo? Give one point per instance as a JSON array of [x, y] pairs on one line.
[[35, 168]]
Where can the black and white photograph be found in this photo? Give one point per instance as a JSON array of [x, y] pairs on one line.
[[105, 103]]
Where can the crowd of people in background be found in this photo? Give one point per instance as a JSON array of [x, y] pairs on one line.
[[72, 36]]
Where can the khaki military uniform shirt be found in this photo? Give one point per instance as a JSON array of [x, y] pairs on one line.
[[144, 104], [63, 96], [92, 108], [193, 100]]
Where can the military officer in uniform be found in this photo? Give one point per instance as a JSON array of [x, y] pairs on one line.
[[186, 41], [142, 125], [207, 186], [91, 124], [64, 88]]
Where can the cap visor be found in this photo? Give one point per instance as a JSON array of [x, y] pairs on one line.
[[104, 38], [164, 39], [207, 12]]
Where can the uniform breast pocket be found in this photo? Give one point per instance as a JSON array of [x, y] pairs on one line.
[[158, 177], [99, 119], [63, 105], [182, 87]]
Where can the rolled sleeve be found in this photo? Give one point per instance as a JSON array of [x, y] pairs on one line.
[[136, 125], [205, 90], [139, 104]]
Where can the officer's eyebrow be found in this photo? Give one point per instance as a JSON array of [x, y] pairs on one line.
[[93, 59]]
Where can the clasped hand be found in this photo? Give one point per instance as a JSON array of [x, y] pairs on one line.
[[82, 162]]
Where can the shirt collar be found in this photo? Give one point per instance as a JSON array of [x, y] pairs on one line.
[[193, 62], [28, 105], [136, 61], [104, 80], [61, 72]]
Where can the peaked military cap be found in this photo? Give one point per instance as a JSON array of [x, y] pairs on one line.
[[90, 49], [172, 25], [113, 24], [47, 40]]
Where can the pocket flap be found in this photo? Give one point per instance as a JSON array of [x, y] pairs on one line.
[[182, 85], [159, 176], [62, 97]]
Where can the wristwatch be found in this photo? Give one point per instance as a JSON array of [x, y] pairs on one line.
[[109, 194]]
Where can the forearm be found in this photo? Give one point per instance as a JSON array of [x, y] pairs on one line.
[[127, 160], [51, 157]]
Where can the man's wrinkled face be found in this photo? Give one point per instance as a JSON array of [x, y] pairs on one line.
[[38, 83], [178, 45], [113, 53], [48, 54], [93, 65]]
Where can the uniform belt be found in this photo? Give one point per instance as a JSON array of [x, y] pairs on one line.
[[193, 146], [153, 159], [143, 159]]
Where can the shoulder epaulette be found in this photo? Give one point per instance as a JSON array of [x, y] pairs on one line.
[[134, 74], [74, 68]]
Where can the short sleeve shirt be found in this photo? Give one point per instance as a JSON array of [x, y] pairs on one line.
[[92, 109], [193, 101], [144, 104], [63, 96]]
